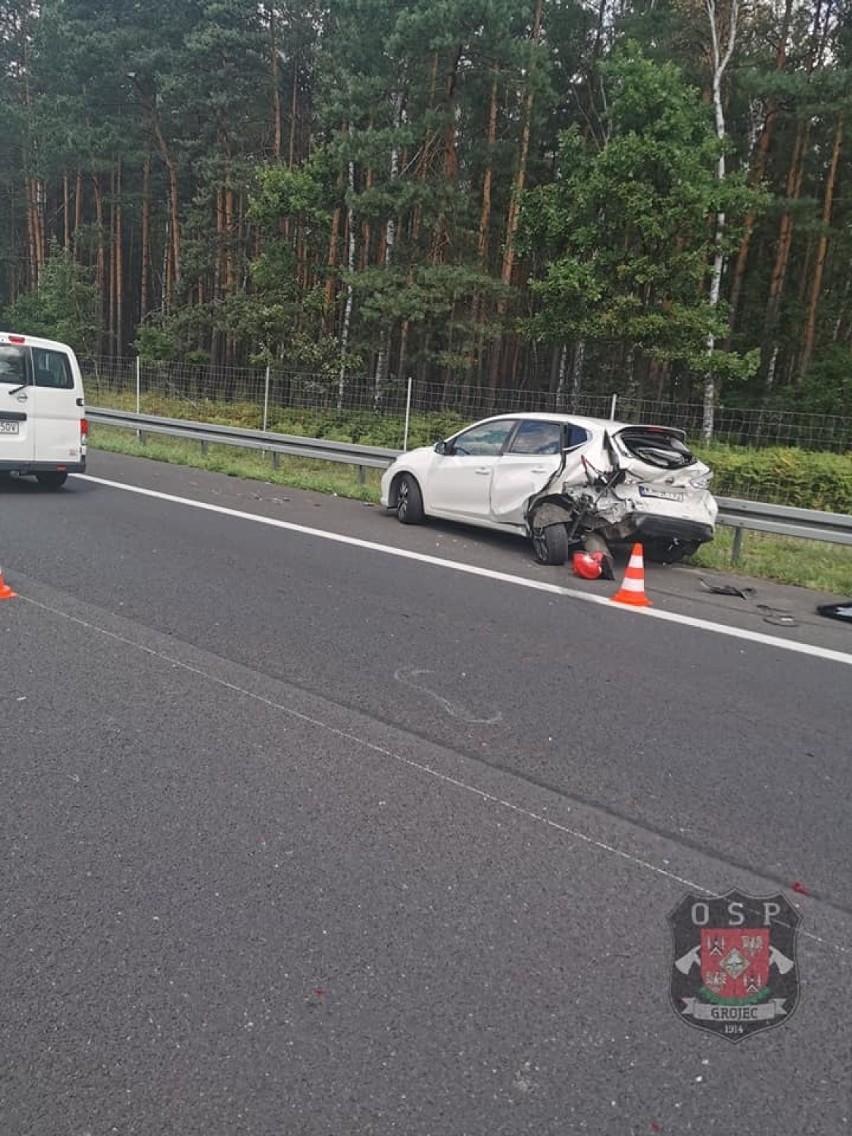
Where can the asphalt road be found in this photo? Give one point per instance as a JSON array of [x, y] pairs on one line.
[[306, 837]]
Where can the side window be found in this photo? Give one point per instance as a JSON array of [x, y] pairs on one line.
[[12, 366], [537, 438], [52, 369], [576, 436], [485, 440]]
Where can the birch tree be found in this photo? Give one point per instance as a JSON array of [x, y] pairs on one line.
[[722, 42]]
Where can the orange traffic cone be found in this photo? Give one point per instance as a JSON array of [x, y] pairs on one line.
[[632, 590], [6, 592]]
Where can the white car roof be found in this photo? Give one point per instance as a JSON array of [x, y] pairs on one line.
[[19, 339], [546, 416]]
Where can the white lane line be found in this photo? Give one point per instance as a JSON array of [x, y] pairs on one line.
[[419, 767], [488, 573]]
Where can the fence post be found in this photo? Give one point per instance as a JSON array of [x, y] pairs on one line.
[[407, 414], [265, 404], [138, 393], [737, 547], [612, 408]]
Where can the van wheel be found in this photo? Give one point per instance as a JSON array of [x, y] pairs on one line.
[[51, 479]]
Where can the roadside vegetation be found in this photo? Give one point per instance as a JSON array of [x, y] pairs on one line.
[[782, 475]]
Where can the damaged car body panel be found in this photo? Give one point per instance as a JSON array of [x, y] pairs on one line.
[[565, 482], [642, 484]]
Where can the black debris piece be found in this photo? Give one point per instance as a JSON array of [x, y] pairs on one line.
[[727, 590], [841, 611]]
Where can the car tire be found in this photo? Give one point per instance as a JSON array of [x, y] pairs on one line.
[[409, 501], [51, 479], [668, 551], [550, 544]]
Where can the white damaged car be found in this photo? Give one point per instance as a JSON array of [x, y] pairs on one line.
[[567, 483]]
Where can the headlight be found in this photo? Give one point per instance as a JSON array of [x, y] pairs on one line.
[[702, 481]]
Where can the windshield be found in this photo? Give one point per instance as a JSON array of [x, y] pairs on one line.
[[13, 365]]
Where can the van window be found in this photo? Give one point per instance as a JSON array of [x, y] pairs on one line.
[[13, 366], [52, 369]]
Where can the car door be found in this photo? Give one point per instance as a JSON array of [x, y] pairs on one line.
[[17, 437], [530, 460], [54, 407], [459, 482]]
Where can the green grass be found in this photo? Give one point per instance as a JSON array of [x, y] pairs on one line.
[[806, 563], [787, 560], [298, 473]]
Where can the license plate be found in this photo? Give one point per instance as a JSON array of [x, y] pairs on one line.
[[662, 494], [10, 427]]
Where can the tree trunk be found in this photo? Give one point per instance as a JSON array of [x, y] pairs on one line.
[[381, 372], [347, 311], [294, 113], [795, 176], [721, 58], [174, 275], [514, 201], [276, 89], [229, 234], [100, 258], [78, 203], [757, 173], [449, 160], [32, 239], [145, 251], [66, 211], [331, 266], [485, 211], [822, 251]]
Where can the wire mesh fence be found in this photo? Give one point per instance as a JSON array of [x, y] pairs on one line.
[[413, 412]]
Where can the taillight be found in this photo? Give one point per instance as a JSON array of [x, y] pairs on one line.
[[17, 339], [84, 428]]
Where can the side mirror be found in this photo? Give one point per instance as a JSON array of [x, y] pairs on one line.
[[440, 447]]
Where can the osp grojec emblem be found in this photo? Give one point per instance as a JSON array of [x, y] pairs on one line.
[[734, 968]]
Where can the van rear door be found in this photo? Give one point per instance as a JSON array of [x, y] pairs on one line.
[[17, 436], [56, 409]]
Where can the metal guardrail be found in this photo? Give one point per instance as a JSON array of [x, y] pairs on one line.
[[208, 433], [810, 524]]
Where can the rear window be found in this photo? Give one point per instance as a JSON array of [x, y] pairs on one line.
[[13, 365], [52, 369], [537, 437], [657, 447]]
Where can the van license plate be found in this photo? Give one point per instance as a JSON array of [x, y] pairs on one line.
[[10, 427]]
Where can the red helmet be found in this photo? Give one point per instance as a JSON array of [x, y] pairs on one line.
[[587, 564]]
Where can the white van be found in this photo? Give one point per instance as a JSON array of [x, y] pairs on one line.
[[43, 427]]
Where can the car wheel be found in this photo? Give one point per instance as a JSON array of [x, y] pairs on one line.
[[409, 501], [550, 544], [668, 551], [51, 479]]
